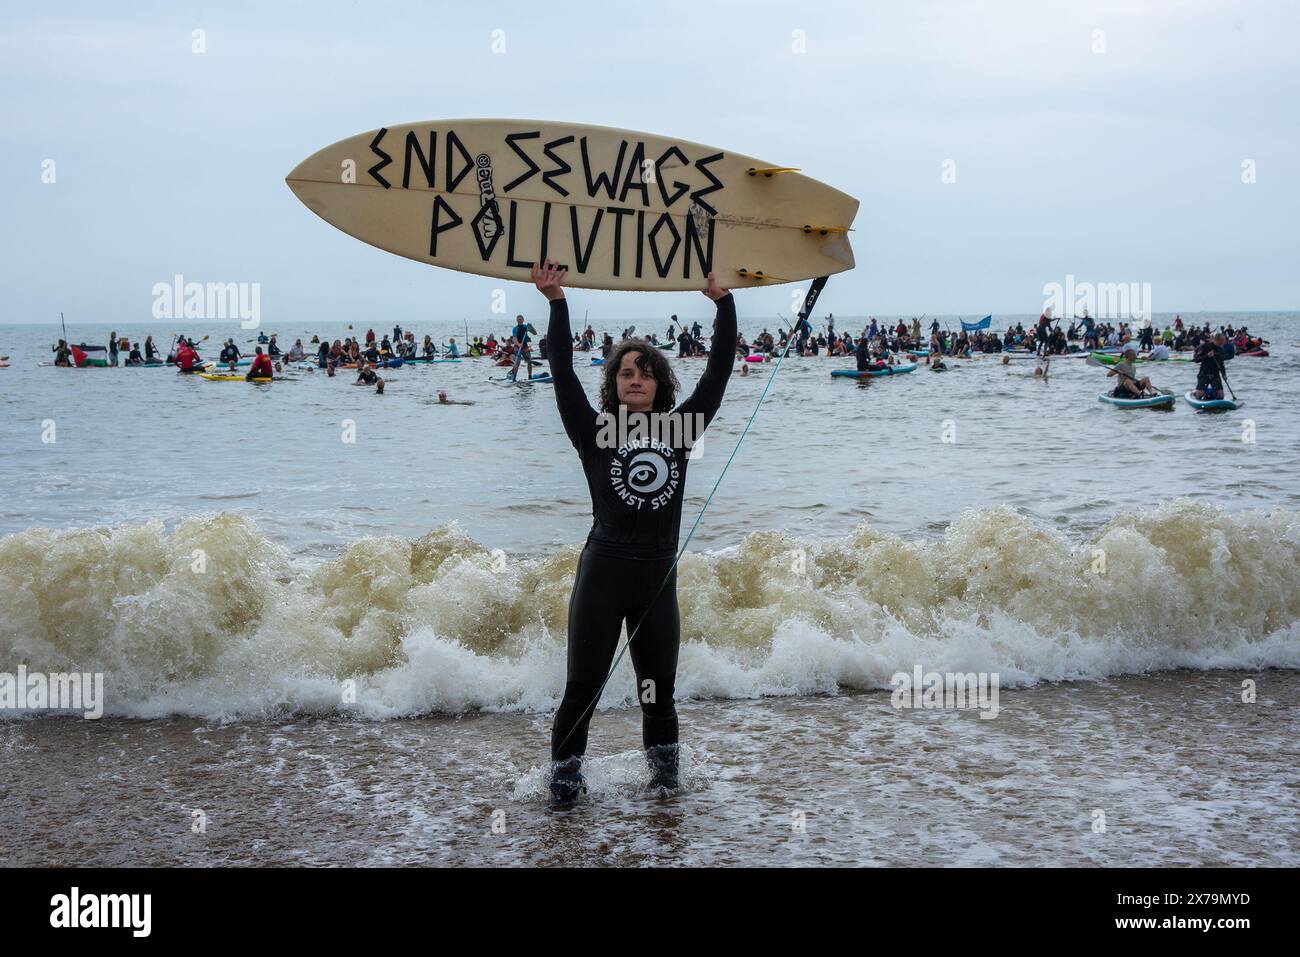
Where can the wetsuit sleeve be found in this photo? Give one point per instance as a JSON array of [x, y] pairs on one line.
[[576, 413], [722, 356]]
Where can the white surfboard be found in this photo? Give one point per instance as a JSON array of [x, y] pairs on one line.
[[620, 209]]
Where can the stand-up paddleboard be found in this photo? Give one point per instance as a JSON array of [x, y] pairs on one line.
[[218, 377], [873, 373], [539, 379], [619, 209], [1211, 404], [1165, 400]]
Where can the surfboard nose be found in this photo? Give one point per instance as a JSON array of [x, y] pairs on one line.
[[298, 173]]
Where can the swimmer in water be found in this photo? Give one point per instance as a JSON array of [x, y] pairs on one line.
[[443, 400]]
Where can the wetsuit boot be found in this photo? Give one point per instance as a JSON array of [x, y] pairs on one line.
[[567, 784], [663, 760]]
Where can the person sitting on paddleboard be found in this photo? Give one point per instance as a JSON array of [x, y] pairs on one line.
[[627, 570], [863, 354], [261, 367], [134, 358], [150, 350], [1209, 377], [186, 358], [296, 352], [61, 354], [1129, 386]]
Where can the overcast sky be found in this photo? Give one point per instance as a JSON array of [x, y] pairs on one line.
[[1117, 166]]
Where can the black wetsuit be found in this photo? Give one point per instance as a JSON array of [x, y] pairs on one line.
[[1209, 376], [636, 505], [863, 355]]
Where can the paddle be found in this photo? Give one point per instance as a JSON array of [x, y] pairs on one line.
[[1223, 371], [1093, 361]]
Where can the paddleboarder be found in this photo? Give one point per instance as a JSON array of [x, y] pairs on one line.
[[1209, 376]]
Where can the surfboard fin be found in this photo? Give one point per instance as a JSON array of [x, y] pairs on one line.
[[759, 274], [825, 230], [770, 171]]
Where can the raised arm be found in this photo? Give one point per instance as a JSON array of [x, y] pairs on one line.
[[576, 413], [722, 356]]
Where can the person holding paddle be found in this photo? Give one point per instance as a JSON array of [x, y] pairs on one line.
[[1209, 377], [1130, 386], [628, 568], [523, 351]]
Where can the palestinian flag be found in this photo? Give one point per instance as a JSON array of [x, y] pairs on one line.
[[82, 356]]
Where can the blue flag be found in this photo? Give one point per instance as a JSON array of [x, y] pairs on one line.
[[972, 326]]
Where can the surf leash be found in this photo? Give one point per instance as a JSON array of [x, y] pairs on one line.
[[809, 301]]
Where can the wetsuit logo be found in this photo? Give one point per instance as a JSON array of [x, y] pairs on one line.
[[647, 473], [644, 472]]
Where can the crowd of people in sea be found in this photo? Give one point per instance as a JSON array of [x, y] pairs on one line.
[[877, 345]]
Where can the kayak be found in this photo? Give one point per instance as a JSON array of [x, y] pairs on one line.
[[754, 358], [1147, 402], [874, 373], [1207, 404], [228, 377], [1261, 353]]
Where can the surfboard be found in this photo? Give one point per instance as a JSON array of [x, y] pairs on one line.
[[620, 209]]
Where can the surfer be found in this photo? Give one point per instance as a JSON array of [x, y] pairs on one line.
[[627, 570]]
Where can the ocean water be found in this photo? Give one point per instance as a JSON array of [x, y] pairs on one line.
[[349, 651]]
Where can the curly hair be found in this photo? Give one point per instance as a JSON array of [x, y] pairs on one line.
[[650, 360]]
